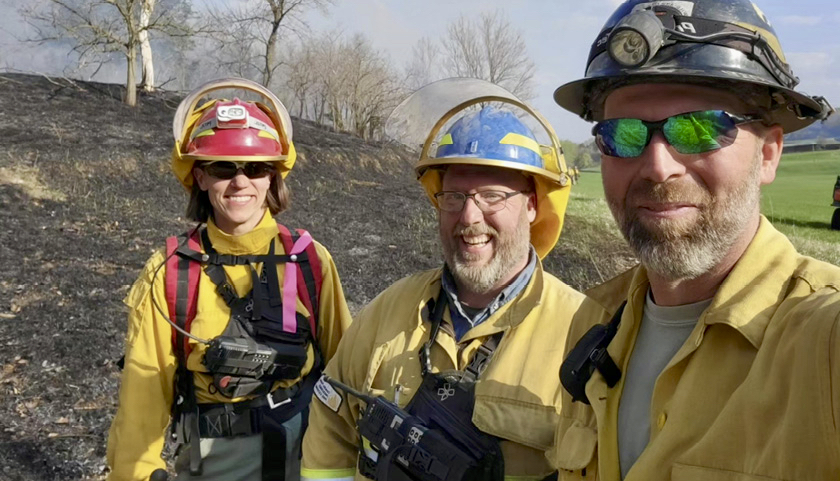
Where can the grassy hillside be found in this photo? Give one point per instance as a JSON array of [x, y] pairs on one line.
[[799, 202]]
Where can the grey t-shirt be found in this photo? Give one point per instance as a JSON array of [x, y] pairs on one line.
[[661, 334]]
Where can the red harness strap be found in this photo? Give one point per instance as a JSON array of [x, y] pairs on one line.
[[182, 289], [182, 275]]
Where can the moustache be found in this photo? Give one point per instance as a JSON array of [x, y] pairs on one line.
[[668, 193], [474, 230]]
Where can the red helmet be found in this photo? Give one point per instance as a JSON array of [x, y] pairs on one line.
[[239, 130], [235, 130]]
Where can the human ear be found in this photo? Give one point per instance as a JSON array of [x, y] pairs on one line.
[[771, 151], [200, 178], [531, 206]]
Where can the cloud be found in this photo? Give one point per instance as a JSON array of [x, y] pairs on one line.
[[810, 61], [799, 20]]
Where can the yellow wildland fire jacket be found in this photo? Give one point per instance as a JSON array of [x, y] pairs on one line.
[[752, 395], [515, 398], [137, 433]]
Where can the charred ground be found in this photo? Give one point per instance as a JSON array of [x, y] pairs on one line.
[[85, 197]]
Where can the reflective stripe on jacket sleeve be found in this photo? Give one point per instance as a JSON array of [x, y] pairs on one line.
[[346, 474]]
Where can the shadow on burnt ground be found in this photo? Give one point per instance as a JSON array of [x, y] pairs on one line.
[[86, 195]]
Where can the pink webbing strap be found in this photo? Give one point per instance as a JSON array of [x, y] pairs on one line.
[[290, 284]]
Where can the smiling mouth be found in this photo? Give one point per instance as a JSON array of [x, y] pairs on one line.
[[665, 207], [476, 240], [239, 198]]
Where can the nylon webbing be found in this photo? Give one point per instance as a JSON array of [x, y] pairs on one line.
[[480, 359]]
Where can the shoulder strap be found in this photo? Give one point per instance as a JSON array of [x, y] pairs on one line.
[[298, 244], [182, 288]]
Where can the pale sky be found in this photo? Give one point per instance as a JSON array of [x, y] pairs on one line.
[[558, 34]]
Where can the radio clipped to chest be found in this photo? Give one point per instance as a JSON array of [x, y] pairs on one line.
[[406, 449], [239, 356]]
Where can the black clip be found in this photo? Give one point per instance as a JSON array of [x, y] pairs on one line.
[[590, 353]]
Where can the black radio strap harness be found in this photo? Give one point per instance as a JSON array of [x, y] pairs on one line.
[[590, 353], [251, 354], [435, 439]]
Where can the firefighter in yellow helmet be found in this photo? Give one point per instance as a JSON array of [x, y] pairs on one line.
[[459, 354], [231, 324], [718, 357]]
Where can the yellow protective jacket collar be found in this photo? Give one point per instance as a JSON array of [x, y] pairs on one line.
[[257, 240], [748, 297]]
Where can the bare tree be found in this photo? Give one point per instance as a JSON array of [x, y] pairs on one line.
[[147, 81], [489, 48], [300, 75], [372, 86], [249, 33], [423, 67], [99, 29], [343, 82]]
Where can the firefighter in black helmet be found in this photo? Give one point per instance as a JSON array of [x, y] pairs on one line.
[[719, 356]]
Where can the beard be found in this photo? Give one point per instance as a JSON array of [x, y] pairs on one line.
[[681, 249], [510, 249]]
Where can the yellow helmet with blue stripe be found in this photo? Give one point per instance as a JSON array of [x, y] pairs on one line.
[[495, 135], [492, 134]]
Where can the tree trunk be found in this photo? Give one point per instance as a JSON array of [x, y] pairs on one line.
[[270, 56], [148, 81], [130, 77]]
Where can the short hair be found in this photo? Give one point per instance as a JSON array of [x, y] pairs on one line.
[[278, 198]]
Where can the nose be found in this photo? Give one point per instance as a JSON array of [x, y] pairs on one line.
[[471, 214], [658, 162], [240, 179]]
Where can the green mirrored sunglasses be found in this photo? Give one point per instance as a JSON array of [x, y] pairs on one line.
[[688, 133]]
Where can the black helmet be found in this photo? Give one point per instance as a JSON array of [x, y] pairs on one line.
[[725, 43]]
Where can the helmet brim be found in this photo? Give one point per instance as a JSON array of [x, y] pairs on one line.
[[577, 96]]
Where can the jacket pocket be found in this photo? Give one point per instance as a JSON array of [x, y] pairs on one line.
[[574, 451], [685, 472], [523, 423]]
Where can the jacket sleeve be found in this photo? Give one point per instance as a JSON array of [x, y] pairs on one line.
[[834, 367], [331, 443], [334, 315], [136, 437]]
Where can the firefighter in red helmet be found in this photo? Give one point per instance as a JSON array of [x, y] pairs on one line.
[[231, 324]]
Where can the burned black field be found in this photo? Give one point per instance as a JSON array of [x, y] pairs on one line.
[[85, 197]]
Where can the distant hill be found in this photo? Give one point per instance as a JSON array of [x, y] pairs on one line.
[[830, 129]]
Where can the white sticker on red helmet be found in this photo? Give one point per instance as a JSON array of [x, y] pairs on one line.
[[231, 117], [250, 122]]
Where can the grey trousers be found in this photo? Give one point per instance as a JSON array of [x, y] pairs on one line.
[[240, 458]]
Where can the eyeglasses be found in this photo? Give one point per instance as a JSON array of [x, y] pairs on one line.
[[227, 169], [688, 133], [487, 201]]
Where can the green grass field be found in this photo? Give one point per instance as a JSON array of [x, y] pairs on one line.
[[798, 202]]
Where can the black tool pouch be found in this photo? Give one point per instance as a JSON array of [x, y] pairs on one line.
[[445, 404]]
